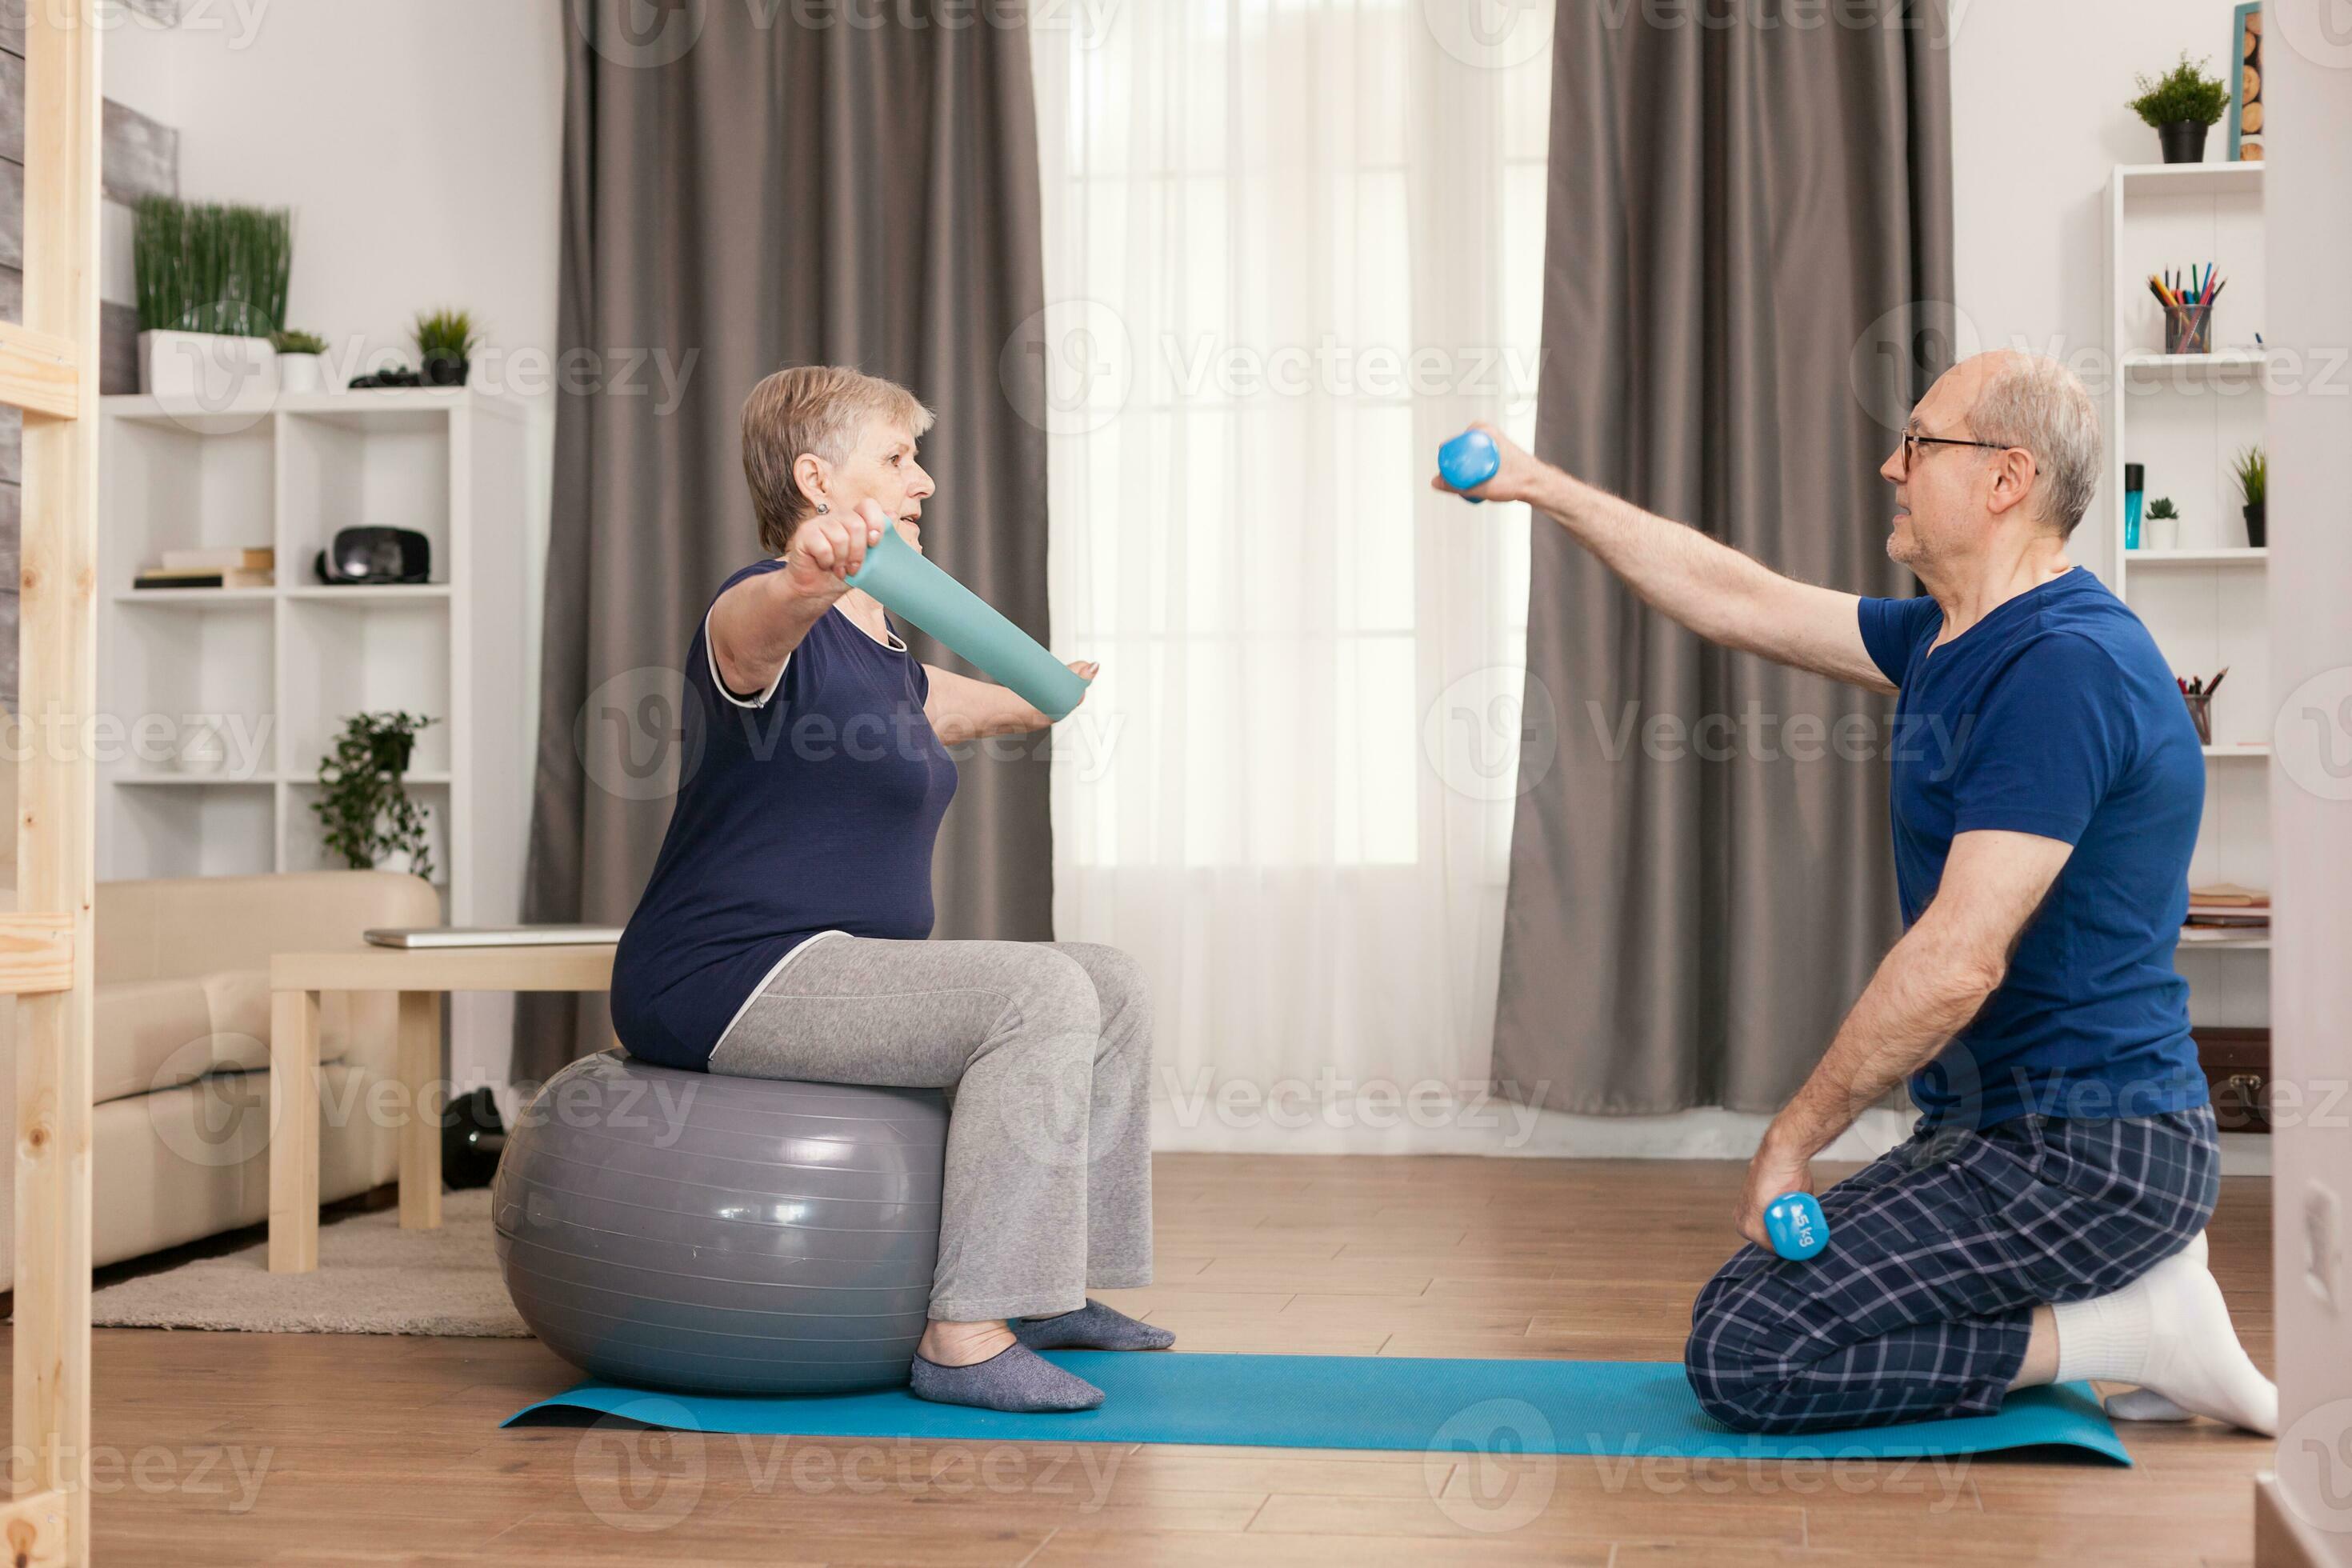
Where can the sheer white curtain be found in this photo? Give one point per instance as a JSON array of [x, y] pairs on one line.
[[1290, 248]]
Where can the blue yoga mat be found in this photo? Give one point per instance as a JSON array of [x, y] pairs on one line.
[[1607, 1407]]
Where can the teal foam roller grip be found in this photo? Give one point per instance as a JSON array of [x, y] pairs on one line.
[[1469, 460], [910, 587], [1795, 1223]]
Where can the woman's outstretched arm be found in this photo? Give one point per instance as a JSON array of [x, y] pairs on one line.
[[962, 708], [755, 625]]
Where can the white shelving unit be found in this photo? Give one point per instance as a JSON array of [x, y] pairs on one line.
[[282, 667], [2184, 417]]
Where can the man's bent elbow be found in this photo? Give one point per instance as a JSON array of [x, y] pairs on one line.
[[1965, 987]]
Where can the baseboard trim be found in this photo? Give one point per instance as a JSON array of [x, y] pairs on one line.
[[1200, 1121], [1254, 1122], [2281, 1540]]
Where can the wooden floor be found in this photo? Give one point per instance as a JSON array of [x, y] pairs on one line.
[[238, 1448]]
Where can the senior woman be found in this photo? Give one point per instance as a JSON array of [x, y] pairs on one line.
[[782, 934]]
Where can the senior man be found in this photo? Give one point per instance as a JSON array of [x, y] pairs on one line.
[[2045, 1220]]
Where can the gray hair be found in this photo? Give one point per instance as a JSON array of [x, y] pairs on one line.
[[817, 408], [2033, 402]]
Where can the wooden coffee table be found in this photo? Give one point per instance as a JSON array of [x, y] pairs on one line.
[[419, 975]]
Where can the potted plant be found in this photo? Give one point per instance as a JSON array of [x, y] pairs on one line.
[[301, 361], [368, 819], [446, 342], [2254, 470], [211, 283], [2163, 520], [2182, 105]]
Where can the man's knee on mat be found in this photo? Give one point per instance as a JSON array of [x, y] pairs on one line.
[[1738, 1365], [1732, 1390]]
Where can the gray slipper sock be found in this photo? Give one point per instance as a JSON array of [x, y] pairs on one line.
[[1015, 1378], [1093, 1326]]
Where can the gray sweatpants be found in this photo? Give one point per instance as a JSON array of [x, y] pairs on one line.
[[1046, 1050]]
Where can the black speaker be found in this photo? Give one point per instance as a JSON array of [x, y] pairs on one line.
[[473, 1136]]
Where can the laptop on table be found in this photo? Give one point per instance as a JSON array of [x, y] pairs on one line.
[[492, 936]]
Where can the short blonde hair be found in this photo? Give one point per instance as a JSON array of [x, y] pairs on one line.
[[819, 409]]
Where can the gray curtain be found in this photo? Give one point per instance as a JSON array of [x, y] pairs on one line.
[[1749, 237], [743, 191]]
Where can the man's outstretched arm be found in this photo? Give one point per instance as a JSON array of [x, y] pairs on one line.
[[1925, 990], [1713, 589]]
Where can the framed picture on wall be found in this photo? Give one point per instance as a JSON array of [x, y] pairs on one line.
[[2246, 89]]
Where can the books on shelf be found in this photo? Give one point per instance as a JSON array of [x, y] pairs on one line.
[[155, 579], [2224, 911], [234, 558], [235, 566]]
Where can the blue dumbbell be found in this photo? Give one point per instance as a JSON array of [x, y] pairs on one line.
[[1794, 1222], [1469, 460]]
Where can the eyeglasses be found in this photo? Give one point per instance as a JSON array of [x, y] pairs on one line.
[[1911, 445]]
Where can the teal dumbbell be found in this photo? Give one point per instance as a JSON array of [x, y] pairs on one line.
[[910, 587], [1795, 1223], [1469, 460]]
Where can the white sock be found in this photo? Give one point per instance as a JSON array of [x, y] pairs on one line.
[[2147, 1403], [2168, 1331], [2089, 1320]]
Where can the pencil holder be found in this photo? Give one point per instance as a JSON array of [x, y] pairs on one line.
[[2201, 714], [2189, 329]]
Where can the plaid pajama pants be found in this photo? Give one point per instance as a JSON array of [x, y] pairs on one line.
[[1940, 1251]]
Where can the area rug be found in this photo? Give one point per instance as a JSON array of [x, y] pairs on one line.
[[372, 1277]]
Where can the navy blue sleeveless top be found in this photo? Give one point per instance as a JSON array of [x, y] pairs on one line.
[[810, 807]]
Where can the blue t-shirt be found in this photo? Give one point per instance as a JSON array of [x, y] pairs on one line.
[[810, 807], [2054, 715]]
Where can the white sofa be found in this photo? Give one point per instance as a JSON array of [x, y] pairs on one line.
[[181, 1073]]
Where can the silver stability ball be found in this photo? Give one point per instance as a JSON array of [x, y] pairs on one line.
[[714, 1234]]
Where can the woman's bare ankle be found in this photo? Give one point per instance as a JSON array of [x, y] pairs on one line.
[[963, 1344]]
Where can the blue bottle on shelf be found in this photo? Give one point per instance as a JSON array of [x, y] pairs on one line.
[[2135, 491]]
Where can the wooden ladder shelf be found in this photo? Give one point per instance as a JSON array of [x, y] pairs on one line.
[[47, 369]]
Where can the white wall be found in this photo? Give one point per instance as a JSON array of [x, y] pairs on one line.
[[418, 143], [2038, 121], [2309, 99]]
